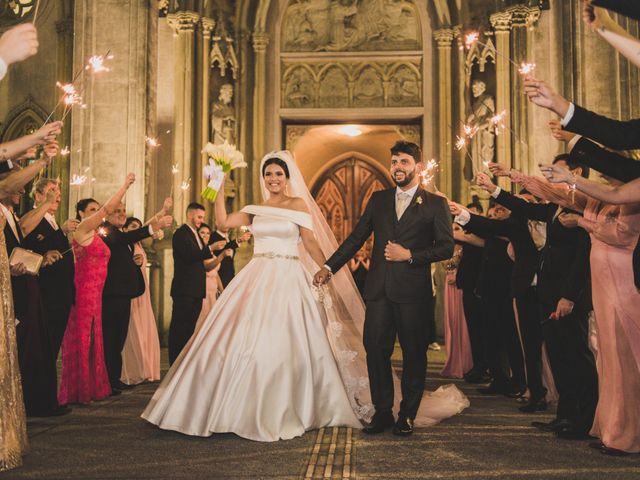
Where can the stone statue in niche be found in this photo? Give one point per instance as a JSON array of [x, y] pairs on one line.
[[356, 25], [482, 146], [298, 91], [223, 117]]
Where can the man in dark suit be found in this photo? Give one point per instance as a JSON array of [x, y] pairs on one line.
[[188, 287], [227, 268], [467, 280], [501, 340], [412, 229], [564, 304], [123, 283], [523, 290], [42, 235]]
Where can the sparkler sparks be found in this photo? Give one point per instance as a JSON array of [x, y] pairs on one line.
[[77, 180], [470, 39], [428, 174], [461, 142], [70, 95], [526, 68], [498, 122], [96, 63], [151, 142], [470, 131], [65, 151], [102, 231], [174, 169], [184, 186]]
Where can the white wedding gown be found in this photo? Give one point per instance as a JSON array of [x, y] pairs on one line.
[[268, 362]]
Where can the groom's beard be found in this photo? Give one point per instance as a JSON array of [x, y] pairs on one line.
[[407, 178]]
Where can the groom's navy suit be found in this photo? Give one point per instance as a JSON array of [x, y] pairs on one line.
[[397, 294]]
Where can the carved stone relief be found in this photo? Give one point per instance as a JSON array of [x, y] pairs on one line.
[[350, 25], [355, 83]]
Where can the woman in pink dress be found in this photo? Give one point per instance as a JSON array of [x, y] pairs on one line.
[[141, 352], [614, 232], [456, 336], [214, 286], [84, 374]]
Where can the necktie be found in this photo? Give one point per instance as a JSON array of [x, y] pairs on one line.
[[401, 204]]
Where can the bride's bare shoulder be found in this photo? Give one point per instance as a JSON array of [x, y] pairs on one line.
[[298, 204]]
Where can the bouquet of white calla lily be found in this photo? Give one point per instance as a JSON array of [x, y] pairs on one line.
[[222, 159]]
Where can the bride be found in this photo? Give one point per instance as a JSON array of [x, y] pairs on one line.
[[276, 356]]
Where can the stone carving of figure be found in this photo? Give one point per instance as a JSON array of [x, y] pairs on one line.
[[342, 24], [483, 143], [223, 117]]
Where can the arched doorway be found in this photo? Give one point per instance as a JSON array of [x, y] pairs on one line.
[[343, 190]]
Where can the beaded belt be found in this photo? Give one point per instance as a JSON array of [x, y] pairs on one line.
[[272, 255]]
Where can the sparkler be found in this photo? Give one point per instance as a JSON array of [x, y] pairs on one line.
[[77, 180], [428, 174], [461, 142], [174, 169], [65, 151], [472, 38], [102, 231], [184, 186], [498, 122], [151, 142], [96, 63]]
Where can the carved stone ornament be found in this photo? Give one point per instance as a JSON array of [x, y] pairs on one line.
[[351, 25], [501, 21], [183, 21], [357, 83]]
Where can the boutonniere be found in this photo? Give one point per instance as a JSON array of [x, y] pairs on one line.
[[419, 201]]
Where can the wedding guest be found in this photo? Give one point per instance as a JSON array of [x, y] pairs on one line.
[[227, 267], [188, 288], [432, 343], [35, 355], [614, 232], [467, 275], [494, 285], [124, 282], [459, 359], [214, 286], [141, 351], [564, 296], [84, 373], [43, 234], [523, 290]]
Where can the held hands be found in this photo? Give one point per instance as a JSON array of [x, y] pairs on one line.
[[564, 308], [244, 237], [556, 173], [70, 226], [569, 220], [219, 245], [456, 208], [17, 269], [137, 259], [559, 133], [394, 252], [51, 257], [541, 94], [594, 17], [47, 133], [321, 277], [499, 170], [19, 43], [484, 182]]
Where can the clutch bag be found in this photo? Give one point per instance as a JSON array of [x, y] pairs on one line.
[[31, 260]]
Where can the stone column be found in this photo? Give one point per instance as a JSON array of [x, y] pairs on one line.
[[207, 25], [501, 23], [183, 25], [60, 167], [461, 185], [109, 134], [443, 38], [260, 43]]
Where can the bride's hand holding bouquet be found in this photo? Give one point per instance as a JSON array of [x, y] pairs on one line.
[[222, 159]]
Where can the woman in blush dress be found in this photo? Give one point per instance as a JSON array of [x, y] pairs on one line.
[[214, 286], [614, 232], [456, 337], [84, 374], [141, 352]]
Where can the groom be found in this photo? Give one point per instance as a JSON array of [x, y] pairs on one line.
[[412, 229]]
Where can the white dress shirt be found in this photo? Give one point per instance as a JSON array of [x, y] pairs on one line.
[[11, 219]]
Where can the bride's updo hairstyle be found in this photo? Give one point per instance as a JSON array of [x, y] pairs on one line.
[[276, 161]]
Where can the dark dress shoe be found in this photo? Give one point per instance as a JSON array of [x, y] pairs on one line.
[[476, 376], [123, 386], [56, 412], [379, 423], [597, 445], [403, 427], [534, 405], [115, 392], [552, 426], [614, 452], [570, 433]]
